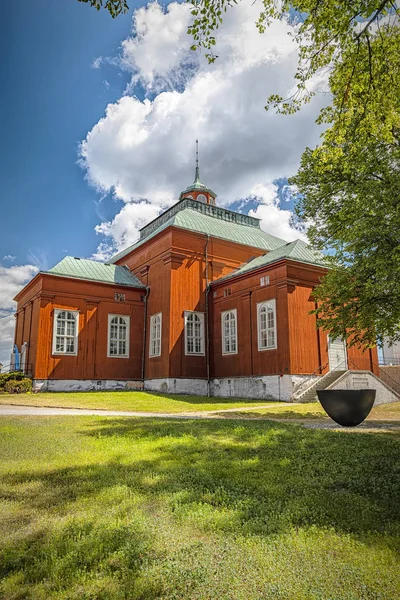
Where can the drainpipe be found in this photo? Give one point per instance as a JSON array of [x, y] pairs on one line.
[[251, 335], [144, 333], [207, 324]]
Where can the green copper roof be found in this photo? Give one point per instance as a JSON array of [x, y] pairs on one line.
[[210, 220], [298, 251], [82, 268]]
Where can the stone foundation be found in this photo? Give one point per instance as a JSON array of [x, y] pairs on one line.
[[83, 385], [170, 385], [266, 387]]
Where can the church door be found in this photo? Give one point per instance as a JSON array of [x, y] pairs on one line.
[[337, 354]]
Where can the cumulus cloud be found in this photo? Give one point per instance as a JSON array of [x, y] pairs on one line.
[[12, 280], [274, 219], [142, 151]]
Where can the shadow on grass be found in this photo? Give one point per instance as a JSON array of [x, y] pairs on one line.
[[286, 415], [269, 476], [249, 479]]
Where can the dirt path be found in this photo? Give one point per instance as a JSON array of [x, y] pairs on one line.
[[37, 411]]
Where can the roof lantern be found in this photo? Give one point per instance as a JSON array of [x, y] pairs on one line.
[[198, 190]]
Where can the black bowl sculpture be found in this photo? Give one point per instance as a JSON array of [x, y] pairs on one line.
[[347, 407]]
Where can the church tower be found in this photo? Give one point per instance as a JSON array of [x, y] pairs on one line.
[[198, 190]]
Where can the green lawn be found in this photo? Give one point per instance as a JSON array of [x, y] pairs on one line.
[[96, 508], [313, 410], [134, 401]]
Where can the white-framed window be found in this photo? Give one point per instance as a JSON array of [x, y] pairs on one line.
[[264, 280], [229, 332], [266, 325], [155, 335], [202, 198], [194, 333], [118, 336], [65, 331]]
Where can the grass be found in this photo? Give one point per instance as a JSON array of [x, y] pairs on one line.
[[128, 401], [96, 508], [313, 410]]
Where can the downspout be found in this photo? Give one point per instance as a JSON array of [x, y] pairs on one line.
[[28, 353], [207, 324], [144, 333], [251, 336]]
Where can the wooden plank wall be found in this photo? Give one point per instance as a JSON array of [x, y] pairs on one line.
[[94, 301]]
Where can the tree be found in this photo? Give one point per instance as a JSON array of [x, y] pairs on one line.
[[114, 7], [349, 186], [350, 189]]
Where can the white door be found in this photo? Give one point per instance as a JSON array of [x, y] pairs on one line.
[[337, 354]]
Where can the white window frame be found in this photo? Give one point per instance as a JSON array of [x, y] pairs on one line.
[[128, 329], [270, 303], [58, 311], [156, 338], [231, 336], [202, 344]]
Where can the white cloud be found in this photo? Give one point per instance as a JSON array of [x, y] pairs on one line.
[[12, 280], [96, 64], [159, 48], [145, 149], [273, 218], [9, 257]]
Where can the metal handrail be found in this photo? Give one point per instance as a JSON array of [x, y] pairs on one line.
[[337, 368], [27, 370], [317, 371]]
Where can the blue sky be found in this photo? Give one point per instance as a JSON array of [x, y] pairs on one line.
[[51, 96]]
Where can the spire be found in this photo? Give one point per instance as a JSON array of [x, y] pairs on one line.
[[198, 190], [197, 173]]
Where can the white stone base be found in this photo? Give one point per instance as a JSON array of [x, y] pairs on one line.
[[169, 385], [363, 380], [83, 385], [266, 387]]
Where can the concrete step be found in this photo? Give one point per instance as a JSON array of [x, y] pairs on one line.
[[310, 393]]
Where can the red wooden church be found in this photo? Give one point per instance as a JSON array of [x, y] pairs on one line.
[[204, 302]]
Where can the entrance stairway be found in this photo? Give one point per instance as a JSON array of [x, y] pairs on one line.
[[309, 394]]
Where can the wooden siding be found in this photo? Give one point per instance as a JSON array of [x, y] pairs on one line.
[[174, 267], [94, 301]]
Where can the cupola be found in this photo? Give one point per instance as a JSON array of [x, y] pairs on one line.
[[198, 190]]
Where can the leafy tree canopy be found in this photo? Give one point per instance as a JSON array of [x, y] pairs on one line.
[[114, 7], [350, 191], [349, 186]]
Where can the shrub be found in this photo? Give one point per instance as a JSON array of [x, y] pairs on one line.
[[13, 386], [14, 375]]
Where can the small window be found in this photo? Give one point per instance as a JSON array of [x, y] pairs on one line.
[[155, 335], [264, 280], [229, 332], [194, 333], [266, 325], [118, 336], [227, 292], [202, 198], [118, 297], [65, 332]]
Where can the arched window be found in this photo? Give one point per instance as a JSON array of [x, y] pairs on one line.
[[266, 324], [65, 332], [155, 335], [202, 198], [194, 333], [118, 336], [229, 332]]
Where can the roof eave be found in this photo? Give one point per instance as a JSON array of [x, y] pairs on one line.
[[114, 283], [260, 268]]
